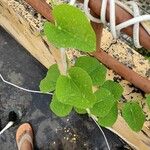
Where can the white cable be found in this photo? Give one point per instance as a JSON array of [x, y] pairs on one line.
[[86, 10], [115, 29], [113, 19], [6, 127], [132, 21], [105, 138], [95, 119], [114, 131], [103, 12], [21, 88], [136, 27]]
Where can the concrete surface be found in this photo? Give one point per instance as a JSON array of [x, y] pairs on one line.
[[51, 132]]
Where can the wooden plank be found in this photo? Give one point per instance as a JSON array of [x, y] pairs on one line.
[[25, 34], [23, 26]]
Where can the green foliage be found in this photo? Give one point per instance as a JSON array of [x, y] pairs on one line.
[[71, 30], [133, 115], [91, 65], [48, 84], [75, 89], [110, 118], [148, 100], [80, 111], [59, 108], [104, 103], [114, 87]]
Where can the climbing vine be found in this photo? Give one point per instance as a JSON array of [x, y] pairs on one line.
[[84, 88]]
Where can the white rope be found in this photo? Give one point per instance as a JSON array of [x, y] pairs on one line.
[[21, 88], [115, 29], [136, 33]]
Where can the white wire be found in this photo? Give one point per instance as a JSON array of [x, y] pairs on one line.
[[103, 12], [136, 27], [115, 29], [95, 119], [113, 18], [114, 131], [21, 88], [132, 21], [105, 138], [10, 123], [86, 10]]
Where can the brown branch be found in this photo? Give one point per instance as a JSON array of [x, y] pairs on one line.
[[143, 83], [119, 68], [123, 71], [41, 7]]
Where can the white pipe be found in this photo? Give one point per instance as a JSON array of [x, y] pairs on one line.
[[9, 124]]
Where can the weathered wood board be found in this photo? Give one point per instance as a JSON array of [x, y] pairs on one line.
[[25, 28]]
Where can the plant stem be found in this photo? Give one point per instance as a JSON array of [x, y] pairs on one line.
[[64, 60], [72, 2]]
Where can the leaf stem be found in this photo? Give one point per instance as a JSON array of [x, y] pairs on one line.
[[72, 2], [64, 60]]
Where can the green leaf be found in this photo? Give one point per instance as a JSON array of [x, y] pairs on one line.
[[48, 84], [133, 115], [148, 100], [103, 95], [76, 89], [114, 87], [105, 102], [110, 118], [80, 111], [71, 30], [59, 108], [92, 66]]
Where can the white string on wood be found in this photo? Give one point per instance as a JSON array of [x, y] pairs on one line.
[[115, 29], [21, 88]]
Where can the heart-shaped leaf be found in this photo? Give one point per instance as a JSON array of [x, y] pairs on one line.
[[133, 115], [92, 66], [75, 89], [114, 87], [105, 101], [110, 118], [71, 30], [80, 111], [48, 84], [59, 108]]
